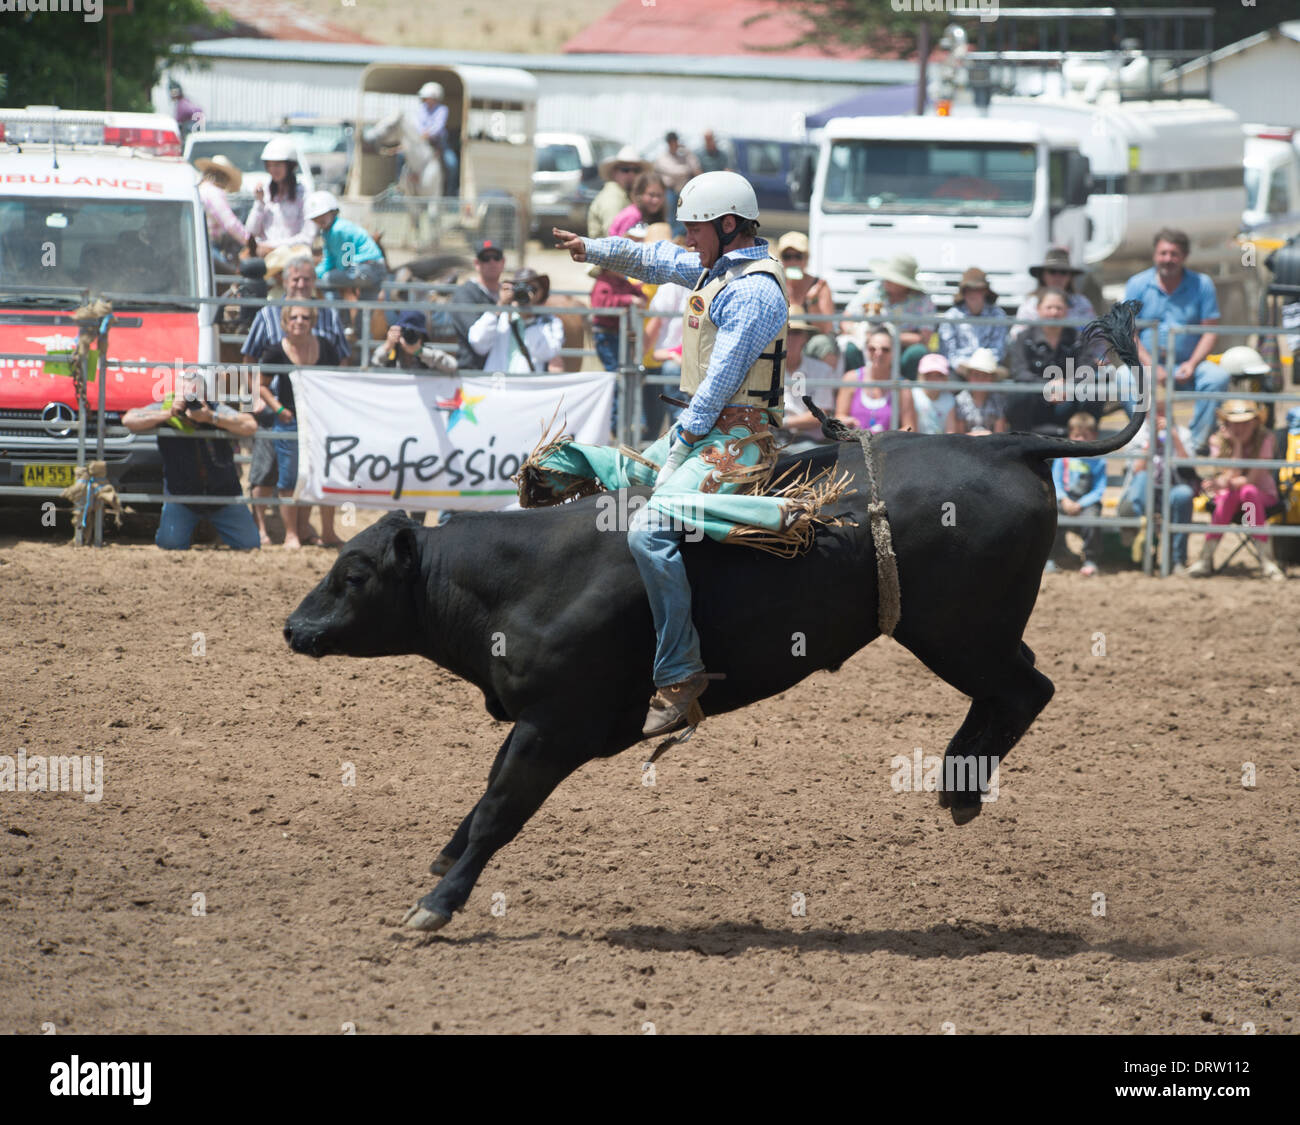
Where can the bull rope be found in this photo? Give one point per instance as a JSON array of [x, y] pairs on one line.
[[889, 595]]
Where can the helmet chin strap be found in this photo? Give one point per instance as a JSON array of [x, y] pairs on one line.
[[725, 239]]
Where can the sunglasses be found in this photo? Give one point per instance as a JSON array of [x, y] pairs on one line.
[[1059, 273], [792, 256], [879, 351], [300, 317], [630, 169]]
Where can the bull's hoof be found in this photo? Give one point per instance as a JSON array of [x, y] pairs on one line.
[[964, 814], [418, 918], [441, 865]]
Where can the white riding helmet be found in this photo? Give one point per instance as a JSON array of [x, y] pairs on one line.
[[714, 194], [320, 203], [431, 90], [1242, 360], [280, 148]]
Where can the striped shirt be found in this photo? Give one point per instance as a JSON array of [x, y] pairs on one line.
[[959, 342], [267, 331], [748, 313]]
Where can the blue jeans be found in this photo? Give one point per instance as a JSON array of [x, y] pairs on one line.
[[286, 456], [606, 348], [234, 523], [657, 549], [367, 276], [1207, 377], [1180, 509]]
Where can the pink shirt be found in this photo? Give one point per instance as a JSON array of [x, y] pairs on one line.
[[220, 216]]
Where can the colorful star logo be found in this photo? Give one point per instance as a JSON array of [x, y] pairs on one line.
[[461, 406]]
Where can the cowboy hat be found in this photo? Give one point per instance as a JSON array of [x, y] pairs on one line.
[[900, 269], [976, 278], [793, 240], [983, 361], [223, 165], [1057, 258], [280, 257], [1239, 410], [626, 155]]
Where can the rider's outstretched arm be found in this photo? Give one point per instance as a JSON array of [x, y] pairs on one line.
[[656, 263]]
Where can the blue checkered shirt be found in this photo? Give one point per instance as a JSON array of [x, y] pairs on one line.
[[748, 313]]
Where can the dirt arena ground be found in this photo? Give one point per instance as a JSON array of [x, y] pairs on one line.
[[630, 908]]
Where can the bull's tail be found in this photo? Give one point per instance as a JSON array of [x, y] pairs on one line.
[[1114, 333]]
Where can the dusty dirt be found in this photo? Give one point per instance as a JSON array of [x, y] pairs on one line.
[[627, 905]]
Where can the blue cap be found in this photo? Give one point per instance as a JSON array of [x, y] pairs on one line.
[[409, 318]]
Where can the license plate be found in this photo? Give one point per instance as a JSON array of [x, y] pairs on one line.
[[48, 476]]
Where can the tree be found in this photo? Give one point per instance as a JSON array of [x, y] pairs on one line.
[[58, 58], [879, 25]]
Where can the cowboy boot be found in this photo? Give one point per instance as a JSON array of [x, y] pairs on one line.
[[1268, 562], [1204, 566], [670, 706]]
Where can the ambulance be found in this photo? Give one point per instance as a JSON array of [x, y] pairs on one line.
[[94, 204]]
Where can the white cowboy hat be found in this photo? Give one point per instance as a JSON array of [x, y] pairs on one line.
[[232, 175], [983, 361], [626, 155], [901, 270]]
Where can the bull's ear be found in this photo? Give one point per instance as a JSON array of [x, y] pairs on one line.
[[404, 552], [395, 514]]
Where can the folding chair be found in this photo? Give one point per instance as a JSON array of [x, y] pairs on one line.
[[1286, 483]]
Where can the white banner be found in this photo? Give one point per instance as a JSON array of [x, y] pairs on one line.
[[403, 440]]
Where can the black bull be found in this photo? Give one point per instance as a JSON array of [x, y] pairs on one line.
[[548, 617]]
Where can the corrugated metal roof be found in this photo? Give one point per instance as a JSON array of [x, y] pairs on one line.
[[720, 27], [861, 71], [281, 19]]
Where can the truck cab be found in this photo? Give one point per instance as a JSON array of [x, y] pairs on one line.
[[95, 205], [951, 193]]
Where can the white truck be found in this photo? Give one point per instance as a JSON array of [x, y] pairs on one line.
[[1083, 154]]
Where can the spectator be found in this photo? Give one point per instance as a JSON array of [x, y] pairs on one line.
[[1039, 357], [712, 158], [431, 119], [219, 177], [663, 340], [266, 332], [614, 291], [482, 289], [923, 410], [351, 257], [862, 405], [1186, 483], [975, 298], [619, 172], [978, 410], [648, 196], [407, 346], [1173, 294], [1080, 484], [187, 113], [894, 292], [299, 346], [677, 164], [524, 339], [276, 217], [1054, 272], [808, 294], [1252, 492], [197, 466]]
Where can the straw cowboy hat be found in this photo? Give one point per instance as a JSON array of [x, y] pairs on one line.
[[793, 240], [224, 167], [984, 361], [901, 270], [975, 278], [626, 155], [1239, 410], [278, 258], [1058, 258]]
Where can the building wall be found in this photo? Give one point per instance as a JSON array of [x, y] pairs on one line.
[[1253, 81]]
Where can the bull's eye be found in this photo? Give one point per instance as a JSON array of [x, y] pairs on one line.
[[356, 580]]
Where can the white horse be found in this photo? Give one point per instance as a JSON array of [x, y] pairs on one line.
[[422, 175]]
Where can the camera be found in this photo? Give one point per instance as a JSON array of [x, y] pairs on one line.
[[523, 293], [411, 336]]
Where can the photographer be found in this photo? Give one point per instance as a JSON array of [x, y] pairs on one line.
[[407, 345], [524, 339], [197, 466]]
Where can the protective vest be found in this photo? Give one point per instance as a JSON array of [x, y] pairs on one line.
[[765, 381]]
